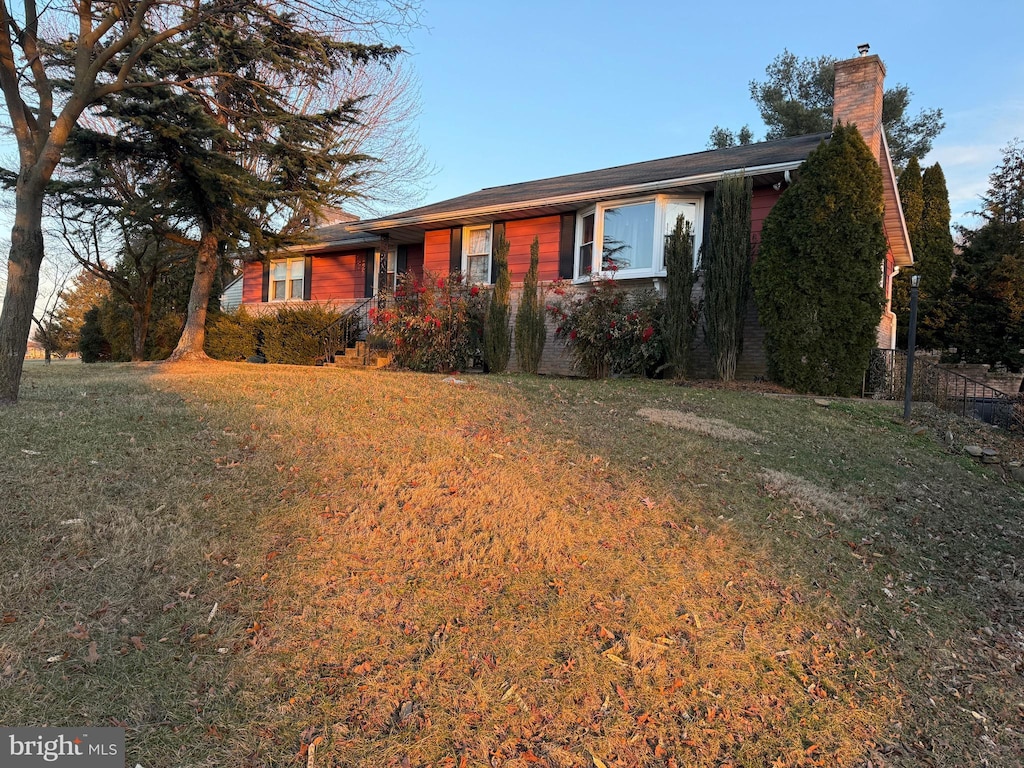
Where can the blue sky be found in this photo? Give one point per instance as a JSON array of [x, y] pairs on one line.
[[523, 90]]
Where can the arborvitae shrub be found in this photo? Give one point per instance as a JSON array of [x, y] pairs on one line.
[[726, 267], [680, 317], [497, 337], [817, 275], [531, 332]]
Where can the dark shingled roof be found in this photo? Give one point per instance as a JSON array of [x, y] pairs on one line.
[[765, 153]]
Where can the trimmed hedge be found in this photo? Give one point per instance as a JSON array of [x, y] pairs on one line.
[[291, 336]]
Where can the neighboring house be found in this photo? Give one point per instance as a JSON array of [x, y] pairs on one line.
[[34, 350], [583, 222]]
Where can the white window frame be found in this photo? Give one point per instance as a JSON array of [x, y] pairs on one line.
[[466, 254], [657, 268], [388, 256], [289, 279]]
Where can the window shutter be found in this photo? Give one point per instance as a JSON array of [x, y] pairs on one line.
[[455, 254], [567, 246], [368, 282], [307, 278], [266, 282], [402, 259], [497, 233]]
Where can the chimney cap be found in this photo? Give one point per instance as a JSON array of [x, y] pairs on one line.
[[863, 49]]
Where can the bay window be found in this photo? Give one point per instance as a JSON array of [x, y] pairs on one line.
[[630, 236]]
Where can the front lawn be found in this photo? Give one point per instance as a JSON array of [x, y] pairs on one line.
[[264, 565]]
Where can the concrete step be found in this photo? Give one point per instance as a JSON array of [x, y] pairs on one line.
[[358, 356]]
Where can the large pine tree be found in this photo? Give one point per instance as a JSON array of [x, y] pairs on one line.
[[987, 298], [816, 277], [229, 160]]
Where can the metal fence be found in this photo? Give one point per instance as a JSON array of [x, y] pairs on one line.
[[951, 391]]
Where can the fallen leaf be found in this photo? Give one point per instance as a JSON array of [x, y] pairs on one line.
[[137, 642], [91, 655], [79, 631], [9, 618], [598, 762], [622, 695]]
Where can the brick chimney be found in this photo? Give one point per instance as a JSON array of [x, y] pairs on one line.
[[858, 97]]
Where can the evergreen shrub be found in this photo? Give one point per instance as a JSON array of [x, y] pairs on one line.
[[817, 275], [531, 332], [680, 312], [497, 337], [726, 267], [92, 344]]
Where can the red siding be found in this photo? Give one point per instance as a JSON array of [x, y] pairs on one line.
[[437, 250], [339, 276], [414, 259], [520, 236], [252, 283], [764, 200], [336, 277]]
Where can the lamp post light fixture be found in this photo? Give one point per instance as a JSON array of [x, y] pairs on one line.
[[915, 281]]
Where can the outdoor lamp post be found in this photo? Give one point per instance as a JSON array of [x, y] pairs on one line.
[[915, 281]]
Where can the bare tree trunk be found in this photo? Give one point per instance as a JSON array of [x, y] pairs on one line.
[[193, 335], [23, 265]]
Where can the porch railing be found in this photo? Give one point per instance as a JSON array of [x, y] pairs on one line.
[[951, 391], [344, 332]]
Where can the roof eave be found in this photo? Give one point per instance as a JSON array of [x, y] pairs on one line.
[[895, 223], [375, 225], [323, 245]]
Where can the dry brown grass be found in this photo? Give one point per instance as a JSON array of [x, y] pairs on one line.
[[512, 572], [716, 428], [810, 498]]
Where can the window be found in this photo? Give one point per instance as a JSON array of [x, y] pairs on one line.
[[286, 279], [476, 254], [391, 270], [587, 245], [630, 235]]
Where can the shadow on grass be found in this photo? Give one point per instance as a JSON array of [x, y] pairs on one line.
[[387, 569]]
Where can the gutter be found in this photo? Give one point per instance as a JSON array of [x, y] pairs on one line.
[[577, 197], [318, 244]]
